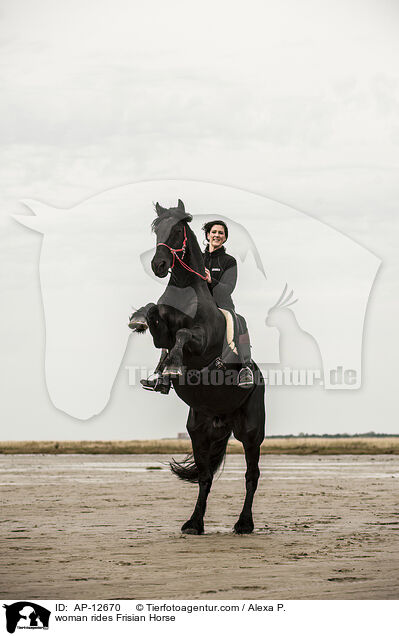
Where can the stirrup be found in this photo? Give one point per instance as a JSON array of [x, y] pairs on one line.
[[159, 384], [245, 378]]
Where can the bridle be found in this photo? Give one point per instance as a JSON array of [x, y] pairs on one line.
[[180, 259]]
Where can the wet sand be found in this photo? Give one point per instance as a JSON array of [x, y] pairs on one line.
[[107, 527]]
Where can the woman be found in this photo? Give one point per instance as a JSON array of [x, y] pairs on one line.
[[220, 267], [221, 273], [221, 276]]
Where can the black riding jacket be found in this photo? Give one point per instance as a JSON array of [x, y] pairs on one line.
[[223, 269]]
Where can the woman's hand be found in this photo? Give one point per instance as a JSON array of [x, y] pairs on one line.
[[208, 275]]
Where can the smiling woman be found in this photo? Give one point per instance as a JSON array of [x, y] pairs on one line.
[[221, 273], [220, 267]]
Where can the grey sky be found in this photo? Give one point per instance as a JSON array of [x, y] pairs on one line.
[[296, 101]]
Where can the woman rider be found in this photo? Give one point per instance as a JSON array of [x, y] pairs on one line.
[[221, 276], [221, 273]]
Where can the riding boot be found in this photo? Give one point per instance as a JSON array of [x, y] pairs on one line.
[[159, 383], [245, 376]]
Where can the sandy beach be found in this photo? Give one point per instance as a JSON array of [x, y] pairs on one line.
[[108, 527]]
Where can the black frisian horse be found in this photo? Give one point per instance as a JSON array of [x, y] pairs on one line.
[[187, 322]]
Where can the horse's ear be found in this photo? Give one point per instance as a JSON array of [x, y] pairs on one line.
[[158, 208], [180, 205]]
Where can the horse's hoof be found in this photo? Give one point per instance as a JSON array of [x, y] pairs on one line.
[[138, 327], [243, 527], [138, 322], [189, 528]]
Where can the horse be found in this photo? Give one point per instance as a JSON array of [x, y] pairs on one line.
[[188, 324]]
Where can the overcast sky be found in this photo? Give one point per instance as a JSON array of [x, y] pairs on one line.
[[294, 101]]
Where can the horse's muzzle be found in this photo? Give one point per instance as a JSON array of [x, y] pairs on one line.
[[160, 268]]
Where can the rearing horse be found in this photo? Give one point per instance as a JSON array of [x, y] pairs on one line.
[[187, 322]]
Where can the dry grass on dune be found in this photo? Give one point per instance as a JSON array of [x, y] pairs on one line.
[[124, 447], [291, 446], [332, 445]]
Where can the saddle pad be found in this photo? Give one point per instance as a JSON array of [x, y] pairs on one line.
[[229, 330]]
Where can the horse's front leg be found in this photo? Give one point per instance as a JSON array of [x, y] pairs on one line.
[[138, 321], [193, 340], [159, 330]]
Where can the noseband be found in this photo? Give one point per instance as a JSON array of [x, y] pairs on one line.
[[183, 250]]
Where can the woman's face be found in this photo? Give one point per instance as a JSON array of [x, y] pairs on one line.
[[216, 237]]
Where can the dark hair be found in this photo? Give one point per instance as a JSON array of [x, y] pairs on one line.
[[208, 226]]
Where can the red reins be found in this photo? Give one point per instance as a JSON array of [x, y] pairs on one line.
[[175, 255]]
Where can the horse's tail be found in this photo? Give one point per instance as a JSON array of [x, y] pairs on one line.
[[187, 469]]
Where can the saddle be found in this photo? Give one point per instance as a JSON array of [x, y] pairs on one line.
[[236, 326]]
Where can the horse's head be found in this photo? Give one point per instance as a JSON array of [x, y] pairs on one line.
[[170, 230]]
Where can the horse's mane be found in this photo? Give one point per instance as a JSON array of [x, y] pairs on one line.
[[175, 213]]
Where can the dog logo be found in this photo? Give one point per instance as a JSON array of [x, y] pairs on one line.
[[26, 615]]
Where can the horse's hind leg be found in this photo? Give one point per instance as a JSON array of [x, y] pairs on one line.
[[249, 429], [197, 427], [245, 523]]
